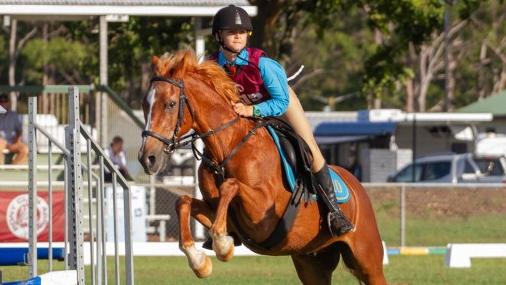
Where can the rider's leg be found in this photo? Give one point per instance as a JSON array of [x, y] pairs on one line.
[[338, 222], [295, 116]]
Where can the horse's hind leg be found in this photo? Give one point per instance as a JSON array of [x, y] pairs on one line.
[[365, 261], [317, 269], [198, 261], [223, 244]]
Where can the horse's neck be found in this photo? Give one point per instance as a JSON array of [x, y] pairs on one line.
[[222, 143], [212, 118]]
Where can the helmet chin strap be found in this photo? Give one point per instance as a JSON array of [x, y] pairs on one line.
[[222, 44]]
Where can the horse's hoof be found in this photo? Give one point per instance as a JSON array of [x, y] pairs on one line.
[[226, 257], [224, 248], [205, 268], [198, 261]]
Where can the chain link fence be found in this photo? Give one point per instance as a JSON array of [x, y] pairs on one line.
[[438, 214], [407, 215]]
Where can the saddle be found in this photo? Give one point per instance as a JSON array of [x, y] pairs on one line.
[[295, 155], [297, 161]]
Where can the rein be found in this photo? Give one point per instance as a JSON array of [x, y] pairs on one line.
[[175, 143]]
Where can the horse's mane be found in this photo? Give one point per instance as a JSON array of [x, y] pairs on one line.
[[184, 62]]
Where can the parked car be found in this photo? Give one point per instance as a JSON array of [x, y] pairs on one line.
[[453, 168]]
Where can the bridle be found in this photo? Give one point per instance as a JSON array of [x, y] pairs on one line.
[[171, 144], [174, 143]]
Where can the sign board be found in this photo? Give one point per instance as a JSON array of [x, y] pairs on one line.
[[14, 216], [138, 195]]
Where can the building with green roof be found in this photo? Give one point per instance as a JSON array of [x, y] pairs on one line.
[[496, 105]]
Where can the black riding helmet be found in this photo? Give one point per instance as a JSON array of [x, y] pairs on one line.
[[231, 17]]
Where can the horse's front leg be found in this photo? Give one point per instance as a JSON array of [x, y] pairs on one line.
[[198, 261], [223, 244]]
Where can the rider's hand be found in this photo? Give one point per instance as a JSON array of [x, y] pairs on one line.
[[243, 110]]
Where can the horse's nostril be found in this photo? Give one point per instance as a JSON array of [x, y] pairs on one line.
[[152, 159]]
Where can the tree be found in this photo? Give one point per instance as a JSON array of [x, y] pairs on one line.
[[15, 47], [489, 28]]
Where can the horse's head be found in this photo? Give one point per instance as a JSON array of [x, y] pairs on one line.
[[169, 112]]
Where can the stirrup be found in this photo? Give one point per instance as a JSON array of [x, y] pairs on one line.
[[338, 223]]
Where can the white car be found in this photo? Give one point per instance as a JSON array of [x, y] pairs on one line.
[[453, 168]]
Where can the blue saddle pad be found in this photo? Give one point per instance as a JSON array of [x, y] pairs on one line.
[[341, 190]]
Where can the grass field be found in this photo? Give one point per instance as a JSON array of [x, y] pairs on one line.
[[433, 218], [438, 217], [439, 232], [279, 270]]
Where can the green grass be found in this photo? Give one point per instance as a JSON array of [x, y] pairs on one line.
[[439, 232], [436, 217], [474, 229], [279, 270]]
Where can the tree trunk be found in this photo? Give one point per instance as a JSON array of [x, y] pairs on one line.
[[12, 62], [378, 40], [500, 84], [145, 77], [410, 95], [377, 103], [288, 40], [409, 84], [482, 92], [45, 78], [265, 24], [452, 66]]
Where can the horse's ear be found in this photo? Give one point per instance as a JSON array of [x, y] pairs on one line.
[[154, 60]]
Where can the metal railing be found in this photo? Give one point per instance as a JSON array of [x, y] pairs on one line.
[[74, 190]]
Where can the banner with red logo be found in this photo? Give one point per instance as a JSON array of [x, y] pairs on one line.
[[14, 216]]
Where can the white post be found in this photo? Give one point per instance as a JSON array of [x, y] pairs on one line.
[[32, 186], [76, 258], [103, 80], [200, 44], [403, 215], [200, 51]]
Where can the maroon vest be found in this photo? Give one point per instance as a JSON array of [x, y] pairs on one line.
[[248, 78]]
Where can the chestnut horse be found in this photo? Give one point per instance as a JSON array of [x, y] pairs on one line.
[[252, 196]]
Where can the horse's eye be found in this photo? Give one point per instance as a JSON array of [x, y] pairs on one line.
[[170, 105]]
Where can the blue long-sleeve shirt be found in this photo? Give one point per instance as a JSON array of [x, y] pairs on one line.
[[275, 82]]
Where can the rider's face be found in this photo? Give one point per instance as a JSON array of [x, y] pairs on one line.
[[234, 39]]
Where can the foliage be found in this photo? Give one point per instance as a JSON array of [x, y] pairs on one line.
[[133, 44], [333, 60], [61, 55], [346, 46]]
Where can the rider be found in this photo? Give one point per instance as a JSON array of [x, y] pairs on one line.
[[265, 93]]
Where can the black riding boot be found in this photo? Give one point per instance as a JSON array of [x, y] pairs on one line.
[[338, 223]]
